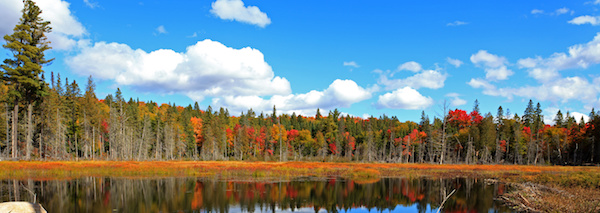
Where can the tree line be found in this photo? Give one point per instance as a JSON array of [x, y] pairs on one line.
[[64, 122]]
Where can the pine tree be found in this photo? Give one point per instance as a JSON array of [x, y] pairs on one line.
[[500, 115], [559, 119], [22, 72], [528, 116]]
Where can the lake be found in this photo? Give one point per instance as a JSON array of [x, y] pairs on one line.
[[179, 194]]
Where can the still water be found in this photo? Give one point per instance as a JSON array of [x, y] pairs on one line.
[[96, 194]]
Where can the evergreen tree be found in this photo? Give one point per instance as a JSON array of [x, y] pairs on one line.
[[476, 106], [528, 116], [22, 72], [500, 115], [558, 120]]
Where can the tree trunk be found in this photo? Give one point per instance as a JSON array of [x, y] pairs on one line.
[[76, 148], [15, 125], [93, 142], [40, 143], [143, 137], [29, 131], [7, 126]]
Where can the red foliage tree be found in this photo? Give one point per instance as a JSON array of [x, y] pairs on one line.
[[197, 125], [459, 118]]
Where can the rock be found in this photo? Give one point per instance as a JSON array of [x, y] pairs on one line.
[[21, 207]]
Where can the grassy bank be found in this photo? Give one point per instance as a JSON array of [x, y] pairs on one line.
[[554, 175], [579, 187]]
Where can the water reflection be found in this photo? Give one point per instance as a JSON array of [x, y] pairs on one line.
[[94, 194]]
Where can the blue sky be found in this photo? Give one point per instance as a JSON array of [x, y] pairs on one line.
[[362, 57]]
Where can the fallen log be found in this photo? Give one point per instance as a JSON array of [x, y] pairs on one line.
[[21, 207]]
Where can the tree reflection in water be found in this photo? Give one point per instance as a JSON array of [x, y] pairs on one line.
[[94, 194]]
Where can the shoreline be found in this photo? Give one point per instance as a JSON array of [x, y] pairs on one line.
[[532, 187]]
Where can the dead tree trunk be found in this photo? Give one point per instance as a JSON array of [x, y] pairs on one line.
[[29, 131], [15, 119]]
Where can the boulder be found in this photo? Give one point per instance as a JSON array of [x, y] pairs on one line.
[[21, 207]]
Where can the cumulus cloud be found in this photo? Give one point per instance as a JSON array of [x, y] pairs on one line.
[[65, 27], [433, 79], [593, 20], [550, 115], [207, 68], [456, 100], [10, 11], [561, 90], [578, 56], [455, 62], [579, 115], [235, 10], [411, 66], [404, 98], [340, 93], [456, 23], [494, 66]]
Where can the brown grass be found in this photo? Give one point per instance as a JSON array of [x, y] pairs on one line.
[[560, 175]]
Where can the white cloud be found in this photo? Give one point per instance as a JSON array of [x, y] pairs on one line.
[[365, 116], [235, 10], [404, 98], [90, 4], [340, 93], [456, 23], [578, 56], [65, 27], [207, 68], [561, 90], [550, 115], [593, 20], [483, 58], [579, 115], [557, 12], [432, 79], [411, 66], [489, 89], [456, 100], [10, 11], [161, 29], [455, 62], [494, 66], [561, 11], [351, 64], [500, 73], [537, 11]]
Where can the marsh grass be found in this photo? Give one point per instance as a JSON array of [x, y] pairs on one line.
[[588, 177]]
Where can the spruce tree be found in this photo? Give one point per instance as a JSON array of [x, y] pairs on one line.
[[558, 120], [23, 71]]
